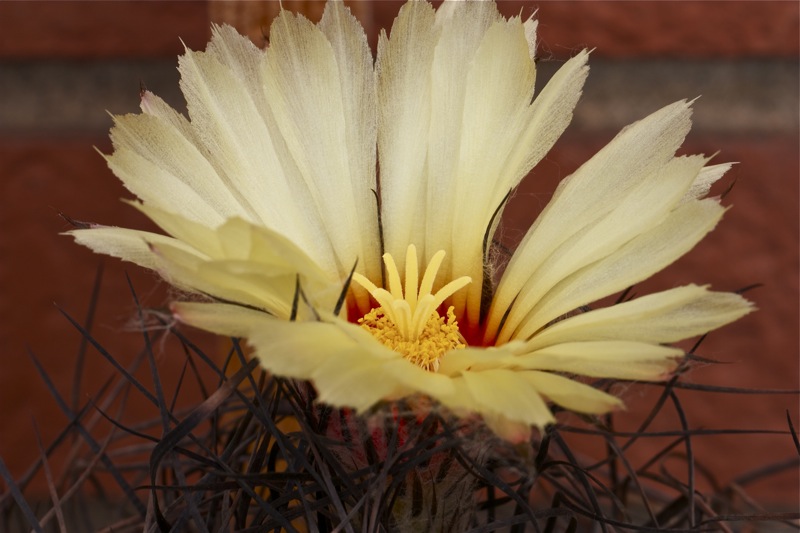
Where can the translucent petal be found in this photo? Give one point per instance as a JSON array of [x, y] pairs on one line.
[[197, 235], [531, 25], [546, 119], [238, 143], [244, 241], [243, 59], [152, 104], [455, 362], [270, 164]]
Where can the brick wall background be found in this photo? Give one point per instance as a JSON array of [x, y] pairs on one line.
[[64, 64]]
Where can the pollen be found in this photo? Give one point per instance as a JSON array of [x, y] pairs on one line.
[[407, 319]]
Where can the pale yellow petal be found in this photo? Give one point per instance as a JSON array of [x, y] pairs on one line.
[[546, 119], [357, 78], [663, 317], [237, 141], [510, 430], [307, 350], [463, 403], [403, 72], [646, 206], [636, 261], [188, 269], [233, 281], [195, 234], [604, 359], [508, 393], [127, 244], [243, 58], [248, 242], [452, 12], [329, 137], [591, 193], [531, 25], [222, 319], [260, 164], [348, 367], [571, 394], [456, 362], [705, 179], [499, 88], [461, 37], [354, 62], [154, 105], [162, 167]]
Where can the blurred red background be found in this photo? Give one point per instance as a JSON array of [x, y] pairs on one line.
[[63, 63]]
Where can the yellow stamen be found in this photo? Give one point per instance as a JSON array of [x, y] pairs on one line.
[[407, 321]]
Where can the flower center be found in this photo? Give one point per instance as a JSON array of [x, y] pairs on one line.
[[408, 320]]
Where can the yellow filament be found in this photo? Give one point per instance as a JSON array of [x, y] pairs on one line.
[[407, 319]]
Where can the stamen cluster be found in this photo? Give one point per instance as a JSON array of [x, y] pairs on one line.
[[408, 320]]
